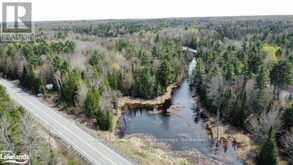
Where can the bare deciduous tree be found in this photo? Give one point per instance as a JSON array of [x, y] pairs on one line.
[[29, 135], [216, 89], [5, 134], [287, 143], [260, 126]]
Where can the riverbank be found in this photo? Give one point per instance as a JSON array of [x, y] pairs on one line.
[[152, 144], [146, 149], [243, 143], [139, 149], [246, 149], [136, 148], [127, 102], [142, 149]]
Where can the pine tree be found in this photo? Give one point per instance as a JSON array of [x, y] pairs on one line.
[[145, 84], [282, 75], [69, 88], [100, 120], [109, 120], [23, 78], [268, 153], [287, 118], [230, 72], [262, 78], [166, 73], [92, 102], [104, 120], [37, 85]]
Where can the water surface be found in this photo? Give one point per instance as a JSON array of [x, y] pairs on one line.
[[183, 130]]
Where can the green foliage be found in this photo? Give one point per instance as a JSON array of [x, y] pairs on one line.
[[31, 81], [31, 56], [227, 106], [282, 74], [62, 47], [71, 162], [199, 71], [229, 75], [254, 61], [41, 48], [115, 80], [3, 51], [157, 68], [12, 115], [262, 79], [290, 59], [12, 120], [11, 50], [69, 47], [166, 73], [269, 153], [104, 120], [144, 86], [61, 35], [68, 92], [271, 53], [109, 120], [92, 102], [122, 44], [240, 110], [96, 58], [287, 118], [60, 65]]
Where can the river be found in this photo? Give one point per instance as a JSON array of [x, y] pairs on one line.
[[183, 130]]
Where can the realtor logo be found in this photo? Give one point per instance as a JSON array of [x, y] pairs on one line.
[[9, 157], [16, 17]]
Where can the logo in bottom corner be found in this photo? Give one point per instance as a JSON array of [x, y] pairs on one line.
[[11, 158]]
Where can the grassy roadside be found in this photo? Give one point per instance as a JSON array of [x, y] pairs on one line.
[[137, 148]]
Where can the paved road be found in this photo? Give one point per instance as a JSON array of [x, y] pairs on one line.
[[91, 148]]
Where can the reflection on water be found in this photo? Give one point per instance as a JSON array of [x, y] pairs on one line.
[[182, 130]]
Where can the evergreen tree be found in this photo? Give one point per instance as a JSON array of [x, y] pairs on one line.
[[230, 72], [145, 84], [282, 75], [37, 85], [104, 120], [115, 80], [268, 154], [287, 118], [100, 119], [92, 102], [11, 51], [109, 120], [23, 78], [165, 74], [70, 87], [254, 61], [262, 78], [240, 105]]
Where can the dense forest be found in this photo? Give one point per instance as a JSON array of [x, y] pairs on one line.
[[244, 70], [244, 74], [89, 80]]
